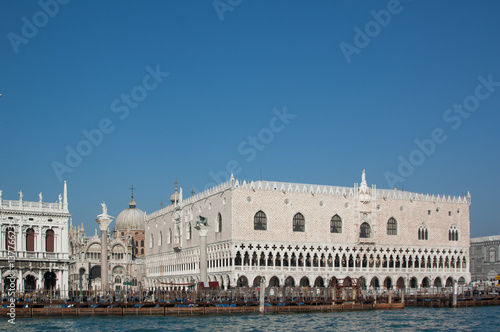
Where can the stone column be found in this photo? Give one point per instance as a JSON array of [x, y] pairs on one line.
[[19, 238], [64, 283], [38, 244], [103, 221], [203, 254], [39, 282], [104, 259], [202, 227]]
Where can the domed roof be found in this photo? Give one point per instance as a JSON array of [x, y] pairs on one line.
[[131, 218]]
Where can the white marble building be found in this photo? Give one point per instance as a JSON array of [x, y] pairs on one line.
[[35, 239], [303, 234]]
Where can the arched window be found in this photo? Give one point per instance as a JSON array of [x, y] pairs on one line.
[[364, 230], [169, 239], [30, 240], [392, 227], [160, 239], [423, 233], [453, 233], [142, 251], [10, 239], [336, 224], [49, 241], [151, 241], [299, 223], [142, 243], [177, 237], [260, 221], [188, 233], [219, 223]]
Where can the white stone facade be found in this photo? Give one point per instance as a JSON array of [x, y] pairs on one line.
[[39, 233], [428, 243]]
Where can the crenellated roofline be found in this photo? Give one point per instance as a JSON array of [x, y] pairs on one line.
[[357, 191]]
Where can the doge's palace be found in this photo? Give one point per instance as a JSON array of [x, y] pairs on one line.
[[306, 235]]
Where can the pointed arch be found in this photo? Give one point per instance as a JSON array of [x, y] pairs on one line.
[[392, 226], [188, 231], [260, 221], [453, 233], [299, 223], [219, 222], [365, 230], [274, 282], [336, 224]]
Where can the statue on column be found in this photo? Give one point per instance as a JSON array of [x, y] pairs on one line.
[[40, 197], [104, 209]]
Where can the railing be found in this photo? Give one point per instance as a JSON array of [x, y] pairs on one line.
[[346, 269], [32, 255], [35, 206]]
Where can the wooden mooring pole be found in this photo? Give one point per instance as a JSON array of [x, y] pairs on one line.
[[262, 295]]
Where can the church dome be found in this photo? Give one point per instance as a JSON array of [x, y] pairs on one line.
[[130, 219]]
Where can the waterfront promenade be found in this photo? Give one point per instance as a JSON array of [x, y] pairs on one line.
[[243, 300]]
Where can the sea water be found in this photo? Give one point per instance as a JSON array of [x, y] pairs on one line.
[[408, 319]]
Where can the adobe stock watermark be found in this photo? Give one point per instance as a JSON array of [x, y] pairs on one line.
[[11, 278], [363, 37], [454, 117], [30, 27], [252, 145], [121, 106], [223, 6]]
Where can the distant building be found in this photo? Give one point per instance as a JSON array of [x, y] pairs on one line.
[[306, 235], [125, 254], [39, 231], [485, 260]]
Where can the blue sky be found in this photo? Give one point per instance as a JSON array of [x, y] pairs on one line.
[[170, 89]]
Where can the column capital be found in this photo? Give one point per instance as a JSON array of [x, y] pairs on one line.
[[203, 231], [103, 222]]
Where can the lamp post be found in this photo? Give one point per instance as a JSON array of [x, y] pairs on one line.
[[103, 220]]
